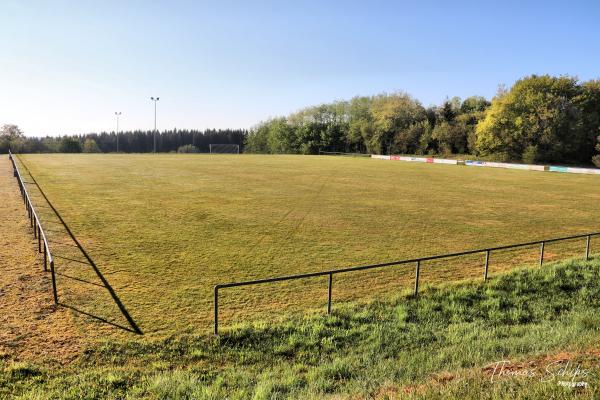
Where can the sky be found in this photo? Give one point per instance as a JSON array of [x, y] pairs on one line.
[[67, 66]]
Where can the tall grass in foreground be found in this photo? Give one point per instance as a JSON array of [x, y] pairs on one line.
[[431, 347]]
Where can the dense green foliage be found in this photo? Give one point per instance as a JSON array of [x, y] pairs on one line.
[[400, 348], [69, 145], [543, 118], [540, 119], [129, 141], [386, 123]]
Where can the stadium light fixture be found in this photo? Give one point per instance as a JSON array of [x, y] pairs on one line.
[[154, 100], [117, 114]]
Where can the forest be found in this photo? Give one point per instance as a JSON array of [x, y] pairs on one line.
[[175, 140], [539, 119]]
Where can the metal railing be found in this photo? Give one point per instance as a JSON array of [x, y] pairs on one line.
[[36, 225], [416, 261]]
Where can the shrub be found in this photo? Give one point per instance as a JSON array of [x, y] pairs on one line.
[[530, 154], [90, 146], [188, 148]]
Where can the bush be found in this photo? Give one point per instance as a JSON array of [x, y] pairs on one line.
[[530, 155], [90, 146], [188, 148]]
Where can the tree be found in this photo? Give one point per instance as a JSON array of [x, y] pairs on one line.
[[11, 138], [586, 139], [408, 140], [89, 146], [451, 137], [393, 114], [281, 137], [539, 117], [257, 139], [11, 131], [596, 158], [474, 104], [322, 127], [70, 145], [360, 124]]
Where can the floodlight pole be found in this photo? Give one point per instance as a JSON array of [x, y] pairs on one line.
[[154, 100], [117, 114]]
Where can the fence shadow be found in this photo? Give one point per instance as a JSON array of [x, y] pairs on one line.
[[134, 328]]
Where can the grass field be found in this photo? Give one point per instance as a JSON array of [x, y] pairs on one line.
[[163, 229]]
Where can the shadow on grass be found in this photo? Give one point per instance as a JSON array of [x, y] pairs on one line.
[[133, 326], [104, 320], [78, 279]]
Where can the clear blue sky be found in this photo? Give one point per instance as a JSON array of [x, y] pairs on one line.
[[65, 67]]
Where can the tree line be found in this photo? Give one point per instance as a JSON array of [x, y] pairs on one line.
[[137, 141], [539, 119]]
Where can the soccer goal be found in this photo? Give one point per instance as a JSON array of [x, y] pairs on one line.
[[224, 148]]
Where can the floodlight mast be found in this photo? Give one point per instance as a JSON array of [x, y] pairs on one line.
[[117, 114], [154, 100]]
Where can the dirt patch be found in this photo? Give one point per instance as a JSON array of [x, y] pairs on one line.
[[31, 327]]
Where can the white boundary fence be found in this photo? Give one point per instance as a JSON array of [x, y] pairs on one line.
[[490, 164]]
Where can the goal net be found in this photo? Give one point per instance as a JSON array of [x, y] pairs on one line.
[[224, 148]]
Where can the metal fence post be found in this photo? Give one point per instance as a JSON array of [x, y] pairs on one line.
[[54, 292], [329, 294], [45, 258], [417, 272], [487, 264], [216, 309], [39, 234], [587, 247], [406, 262]]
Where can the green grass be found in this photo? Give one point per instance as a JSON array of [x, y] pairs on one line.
[[164, 229], [398, 348]]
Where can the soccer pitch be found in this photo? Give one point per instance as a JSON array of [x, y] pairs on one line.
[[164, 229]]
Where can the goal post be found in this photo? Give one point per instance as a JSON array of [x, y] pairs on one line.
[[224, 148]]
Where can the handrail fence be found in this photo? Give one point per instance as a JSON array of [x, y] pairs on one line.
[[36, 225], [416, 261]]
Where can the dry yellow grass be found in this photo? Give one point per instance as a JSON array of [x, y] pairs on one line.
[[163, 229], [31, 328]]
